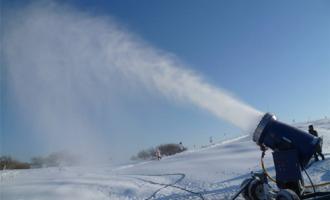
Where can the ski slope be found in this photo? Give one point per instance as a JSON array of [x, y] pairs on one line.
[[214, 172]]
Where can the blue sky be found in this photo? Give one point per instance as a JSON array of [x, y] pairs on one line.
[[273, 55]]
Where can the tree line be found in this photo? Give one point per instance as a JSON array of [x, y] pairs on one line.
[[52, 160], [165, 150]]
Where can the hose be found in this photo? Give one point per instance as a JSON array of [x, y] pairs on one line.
[[318, 185], [273, 180], [263, 167], [173, 185]]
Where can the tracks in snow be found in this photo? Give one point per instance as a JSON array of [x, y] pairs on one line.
[[165, 185]]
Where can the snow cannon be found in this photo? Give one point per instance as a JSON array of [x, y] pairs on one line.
[[292, 150], [279, 136]]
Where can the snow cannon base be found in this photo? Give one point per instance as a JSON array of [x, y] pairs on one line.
[[292, 151], [258, 188]]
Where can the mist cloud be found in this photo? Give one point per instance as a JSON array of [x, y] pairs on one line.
[[61, 62]]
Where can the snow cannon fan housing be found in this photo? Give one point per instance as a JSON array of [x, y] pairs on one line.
[[280, 137]]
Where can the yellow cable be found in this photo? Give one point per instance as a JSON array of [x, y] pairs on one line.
[[264, 169], [272, 179]]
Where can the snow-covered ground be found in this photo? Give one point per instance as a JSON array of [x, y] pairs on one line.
[[214, 172]]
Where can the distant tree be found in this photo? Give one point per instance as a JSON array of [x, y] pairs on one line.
[[143, 155], [6, 162], [37, 162], [55, 159], [171, 149], [146, 154], [165, 149]]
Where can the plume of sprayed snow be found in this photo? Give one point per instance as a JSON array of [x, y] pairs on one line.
[[61, 61]]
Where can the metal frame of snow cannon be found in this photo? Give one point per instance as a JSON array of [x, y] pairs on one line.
[[256, 187], [292, 150]]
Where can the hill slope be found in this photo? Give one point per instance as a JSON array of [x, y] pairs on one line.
[[214, 172]]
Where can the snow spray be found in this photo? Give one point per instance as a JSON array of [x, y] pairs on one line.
[[60, 62]]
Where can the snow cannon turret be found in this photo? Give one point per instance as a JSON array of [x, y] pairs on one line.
[[292, 151], [279, 136]]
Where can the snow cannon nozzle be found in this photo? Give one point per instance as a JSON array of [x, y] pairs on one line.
[[279, 136], [261, 126]]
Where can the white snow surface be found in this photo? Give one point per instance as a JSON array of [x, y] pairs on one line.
[[215, 172]]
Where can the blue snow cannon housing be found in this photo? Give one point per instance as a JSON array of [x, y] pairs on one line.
[[280, 137], [292, 150]]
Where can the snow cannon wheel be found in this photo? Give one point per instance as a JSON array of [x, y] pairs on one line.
[[287, 194], [256, 190], [245, 192]]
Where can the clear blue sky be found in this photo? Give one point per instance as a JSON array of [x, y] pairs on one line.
[[274, 55]]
